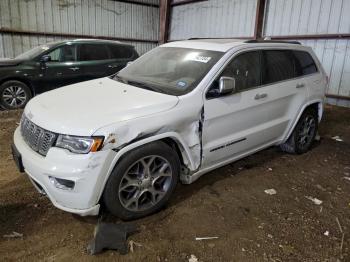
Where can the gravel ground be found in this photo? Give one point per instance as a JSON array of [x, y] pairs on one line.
[[228, 203]]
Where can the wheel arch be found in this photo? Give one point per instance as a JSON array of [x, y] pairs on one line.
[[316, 104], [174, 140]]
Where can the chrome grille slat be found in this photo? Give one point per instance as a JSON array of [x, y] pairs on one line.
[[39, 139]]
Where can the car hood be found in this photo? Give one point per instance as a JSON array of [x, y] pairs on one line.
[[10, 62], [82, 108]]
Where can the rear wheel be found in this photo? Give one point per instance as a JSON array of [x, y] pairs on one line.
[[14, 94], [303, 134], [142, 182]]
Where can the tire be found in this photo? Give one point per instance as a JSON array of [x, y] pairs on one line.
[[300, 141], [14, 94], [138, 187]]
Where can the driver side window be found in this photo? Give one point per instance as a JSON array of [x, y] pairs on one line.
[[245, 69], [66, 53]]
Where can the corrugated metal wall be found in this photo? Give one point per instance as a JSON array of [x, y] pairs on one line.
[[302, 17], [213, 18], [305, 17], [88, 17]]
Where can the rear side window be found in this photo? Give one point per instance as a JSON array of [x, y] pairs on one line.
[[278, 66], [120, 52], [89, 52], [245, 69], [304, 64]]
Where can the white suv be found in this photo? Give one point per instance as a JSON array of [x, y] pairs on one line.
[[177, 112]]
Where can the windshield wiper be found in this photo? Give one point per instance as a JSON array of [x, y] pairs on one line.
[[144, 86], [119, 79], [137, 84]]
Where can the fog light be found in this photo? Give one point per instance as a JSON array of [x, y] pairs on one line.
[[63, 184]]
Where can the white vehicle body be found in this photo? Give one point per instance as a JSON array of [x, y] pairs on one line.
[[208, 133]]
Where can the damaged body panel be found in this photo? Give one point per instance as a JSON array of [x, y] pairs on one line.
[[184, 131]]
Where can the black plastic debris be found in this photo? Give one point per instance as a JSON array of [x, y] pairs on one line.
[[111, 236]]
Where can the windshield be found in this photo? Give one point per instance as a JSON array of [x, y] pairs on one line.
[[33, 52], [169, 70]]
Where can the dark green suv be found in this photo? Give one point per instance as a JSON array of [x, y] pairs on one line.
[[58, 64]]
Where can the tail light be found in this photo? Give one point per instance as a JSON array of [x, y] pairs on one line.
[[327, 81]]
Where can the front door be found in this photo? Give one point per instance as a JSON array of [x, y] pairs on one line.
[[63, 68]]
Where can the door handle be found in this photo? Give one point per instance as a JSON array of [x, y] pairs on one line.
[[300, 85], [112, 66], [260, 96], [74, 68]]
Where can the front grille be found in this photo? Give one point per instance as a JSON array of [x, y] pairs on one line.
[[39, 139]]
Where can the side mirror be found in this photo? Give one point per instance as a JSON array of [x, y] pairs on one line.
[[128, 63], [227, 85], [45, 58]]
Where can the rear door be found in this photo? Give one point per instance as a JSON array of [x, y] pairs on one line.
[[94, 60], [306, 68], [120, 55], [286, 90]]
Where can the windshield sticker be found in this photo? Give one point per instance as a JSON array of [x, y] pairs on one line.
[[202, 59], [181, 84]]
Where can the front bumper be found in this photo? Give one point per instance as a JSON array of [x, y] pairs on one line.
[[87, 171]]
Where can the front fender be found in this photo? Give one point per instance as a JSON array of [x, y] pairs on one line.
[[185, 151]]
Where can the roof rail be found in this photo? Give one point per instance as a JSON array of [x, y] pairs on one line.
[[254, 41]]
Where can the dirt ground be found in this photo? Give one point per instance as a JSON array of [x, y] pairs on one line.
[[228, 203]]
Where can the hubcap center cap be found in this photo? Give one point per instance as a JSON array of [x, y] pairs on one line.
[[146, 182]]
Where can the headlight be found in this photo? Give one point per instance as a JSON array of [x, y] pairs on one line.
[[79, 145]]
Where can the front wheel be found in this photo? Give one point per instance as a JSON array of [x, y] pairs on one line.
[[303, 134], [14, 94], [142, 182]]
